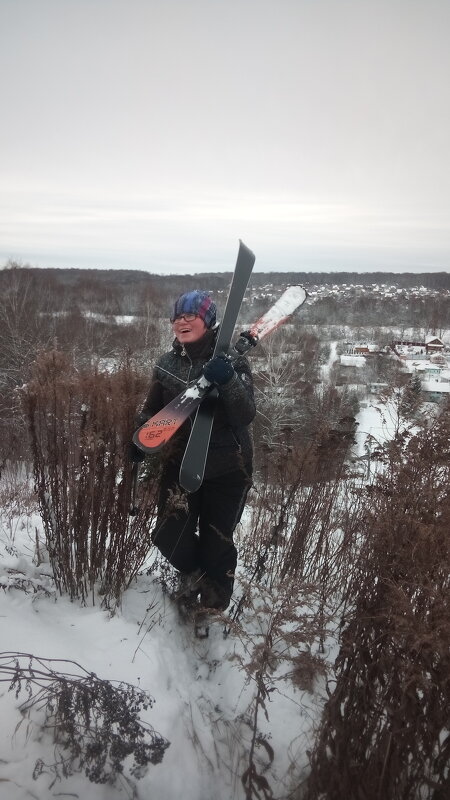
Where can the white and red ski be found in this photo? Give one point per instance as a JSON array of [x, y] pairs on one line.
[[193, 465]]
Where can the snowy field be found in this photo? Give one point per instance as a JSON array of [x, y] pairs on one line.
[[375, 424], [204, 694]]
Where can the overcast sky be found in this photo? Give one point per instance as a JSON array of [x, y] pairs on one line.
[[153, 134]]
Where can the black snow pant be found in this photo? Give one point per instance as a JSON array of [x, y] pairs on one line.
[[195, 531]]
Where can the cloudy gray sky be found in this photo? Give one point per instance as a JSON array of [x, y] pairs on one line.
[[153, 134]]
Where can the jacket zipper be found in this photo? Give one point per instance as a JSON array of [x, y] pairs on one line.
[[185, 353]]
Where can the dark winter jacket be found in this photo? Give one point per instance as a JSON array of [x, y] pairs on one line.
[[231, 443]]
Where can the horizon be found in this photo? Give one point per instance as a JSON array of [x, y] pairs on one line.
[[255, 272]]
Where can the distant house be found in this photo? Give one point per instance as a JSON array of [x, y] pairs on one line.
[[374, 387], [408, 349], [434, 378], [362, 348], [433, 344], [428, 370], [435, 390]]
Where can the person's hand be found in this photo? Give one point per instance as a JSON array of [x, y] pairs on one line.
[[218, 370]]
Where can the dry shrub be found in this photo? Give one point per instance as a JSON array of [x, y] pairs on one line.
[[80, 424], [305, 517], [306, 667], [281, 627], [385, 728], [17, 501], [296, 561], [95, 724]]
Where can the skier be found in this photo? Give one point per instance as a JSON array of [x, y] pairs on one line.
[[195, 531]]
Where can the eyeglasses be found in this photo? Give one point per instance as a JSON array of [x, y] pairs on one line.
[[186, 317]]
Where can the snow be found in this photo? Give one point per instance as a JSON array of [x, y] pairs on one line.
[[203, 693], [377, 424], [125, 319], [353, 361], [326, 368], [372, 425], [196, 389], [435, 339], [438, 387], [119, 319]]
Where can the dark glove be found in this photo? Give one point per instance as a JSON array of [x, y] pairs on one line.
[[134, 453], [219, 370]]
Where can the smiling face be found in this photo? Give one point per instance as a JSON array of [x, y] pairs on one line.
[[190, 329]]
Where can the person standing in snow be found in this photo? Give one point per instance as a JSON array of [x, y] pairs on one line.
[[195, 531]]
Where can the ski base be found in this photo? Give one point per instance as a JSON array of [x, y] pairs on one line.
[[194, 460]]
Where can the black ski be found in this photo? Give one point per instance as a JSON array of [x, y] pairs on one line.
[[194, 460]]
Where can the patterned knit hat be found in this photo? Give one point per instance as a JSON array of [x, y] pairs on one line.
[[196, 302]]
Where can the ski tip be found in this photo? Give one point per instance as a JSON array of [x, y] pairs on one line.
[[190, 483], [243, 246], [299, 287]]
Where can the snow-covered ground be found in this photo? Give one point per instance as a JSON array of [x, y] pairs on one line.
[[375, 424], [203, 695], [204, 690], [325, 368], [353, 360]]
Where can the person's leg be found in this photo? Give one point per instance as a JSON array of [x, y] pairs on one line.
[[175, 529], [221, 506]]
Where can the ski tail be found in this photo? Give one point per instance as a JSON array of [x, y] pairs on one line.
[[157, 431]]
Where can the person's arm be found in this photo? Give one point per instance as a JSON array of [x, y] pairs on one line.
[[235, 385]]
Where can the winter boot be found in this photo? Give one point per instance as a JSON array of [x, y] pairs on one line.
[[189, 584], [213, 596], [214, 599]]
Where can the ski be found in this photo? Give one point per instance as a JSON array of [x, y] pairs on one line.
[[154, 434], [193, 464]]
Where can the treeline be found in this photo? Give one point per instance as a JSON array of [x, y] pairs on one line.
[[77, 309], [127, 291], [428, 313], [126, 279], [402, 280], [40, 309]]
